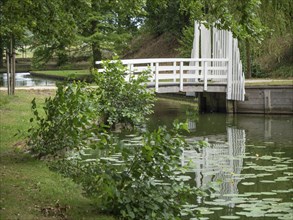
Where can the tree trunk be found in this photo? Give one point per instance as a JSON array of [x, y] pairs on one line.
[[10, 57], [248, 59], [96, 50], [97, 55], [1, 53], [8, 70]]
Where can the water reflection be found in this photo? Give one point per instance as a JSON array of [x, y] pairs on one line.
[[219, 161], [25, 79], [251, 154]]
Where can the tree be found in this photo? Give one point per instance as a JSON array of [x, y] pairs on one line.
[[107, 25], [241, 17], [13, 22], [53, 28]]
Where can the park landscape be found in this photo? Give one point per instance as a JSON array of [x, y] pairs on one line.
[[95, 146]]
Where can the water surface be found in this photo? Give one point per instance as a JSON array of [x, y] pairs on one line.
[[250, 157], [25, 79]]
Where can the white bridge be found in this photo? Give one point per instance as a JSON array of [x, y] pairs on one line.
[[214, 66]]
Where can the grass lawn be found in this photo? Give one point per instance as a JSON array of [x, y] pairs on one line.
[[28, 189], [63, 73]]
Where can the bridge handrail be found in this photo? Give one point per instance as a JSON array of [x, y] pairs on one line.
[[180, 70], [167, 60]]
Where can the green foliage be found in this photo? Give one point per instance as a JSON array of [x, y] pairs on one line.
[[268, 41], [165, 16], [186, 42], [70, 119], [76, 115], [145, 181], [285, 71], [122, 101]]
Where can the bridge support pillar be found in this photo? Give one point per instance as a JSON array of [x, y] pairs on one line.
[[215, 102], [231, 106]]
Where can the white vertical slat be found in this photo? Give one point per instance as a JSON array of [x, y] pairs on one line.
[[205, 42], [195, 49], [224, 40], [237, 70], [181, 76], [196, 46], [242, 83], [222, 48], [239, 80], [215, 49], [229, 56], [157, 77], [234, 69]]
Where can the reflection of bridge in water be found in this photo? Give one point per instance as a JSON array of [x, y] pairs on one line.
[[218, 161]]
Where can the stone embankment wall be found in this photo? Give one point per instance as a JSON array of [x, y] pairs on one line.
[[267, 100]]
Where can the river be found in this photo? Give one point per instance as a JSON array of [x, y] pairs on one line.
[[249, 156], [25, 79]]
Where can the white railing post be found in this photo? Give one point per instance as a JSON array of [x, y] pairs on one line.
[[157, 77], [152, 72], [205, 75], [181, 76], [174, 71]]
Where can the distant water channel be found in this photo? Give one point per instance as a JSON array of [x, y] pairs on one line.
[[25, 79], [249, 156]]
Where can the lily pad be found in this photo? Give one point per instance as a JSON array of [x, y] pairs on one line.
[[216, 208], [229, 217], [263, 174], [260, 146], [281, 179], [272, 199], [279, 152], [267, 181], [269, 193], [248, 183], [280, 191], [274, 215]]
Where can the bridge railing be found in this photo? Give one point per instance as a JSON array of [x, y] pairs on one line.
[[179, 71]]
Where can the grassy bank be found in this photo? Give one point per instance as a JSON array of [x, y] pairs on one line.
[[62, 74], [28, 189]]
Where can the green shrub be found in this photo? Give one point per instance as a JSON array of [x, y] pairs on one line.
[[78, 112], [142, 182], [122, 101], [70, 119]]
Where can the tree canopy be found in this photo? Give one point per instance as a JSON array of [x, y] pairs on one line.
[[99, 26]]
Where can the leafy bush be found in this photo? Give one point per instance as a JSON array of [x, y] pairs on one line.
[[76, 115], [142, 182], [70, 119], [122, 101]]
